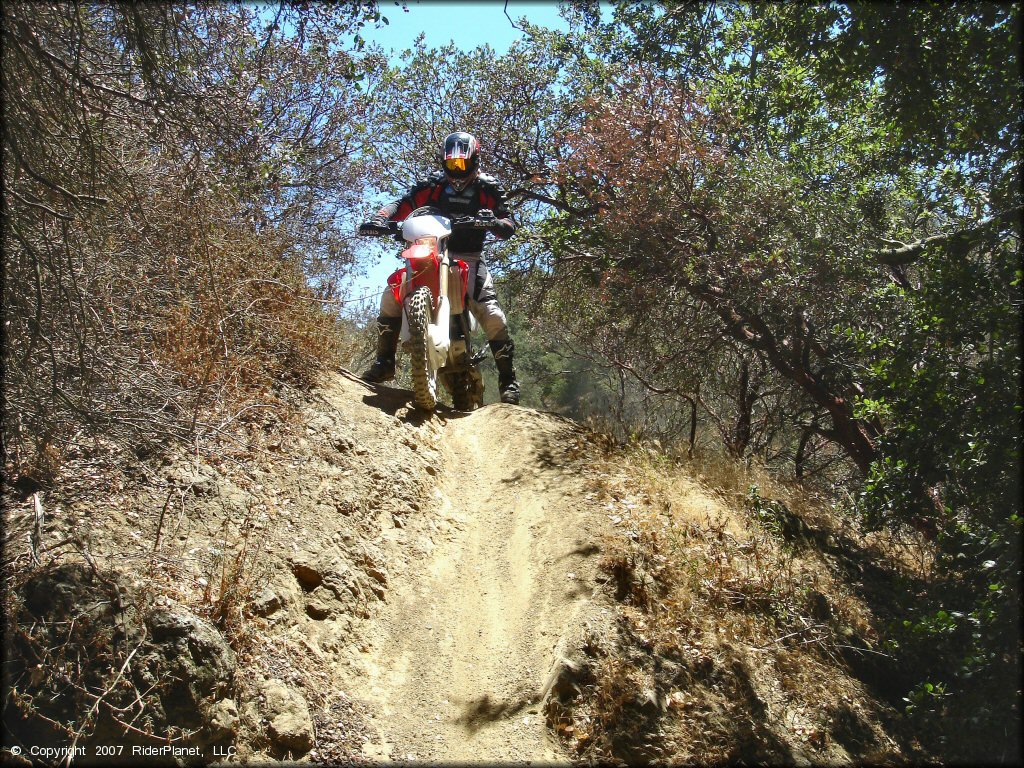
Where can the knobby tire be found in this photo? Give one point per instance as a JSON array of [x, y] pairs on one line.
[[424, 377], [462, 396]]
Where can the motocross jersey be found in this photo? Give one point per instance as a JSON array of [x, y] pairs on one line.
[[484, 192]]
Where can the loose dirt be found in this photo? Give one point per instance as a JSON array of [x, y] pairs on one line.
[[413, 585], [460, 655]]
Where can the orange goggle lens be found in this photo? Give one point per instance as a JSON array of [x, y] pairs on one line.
[[455, 163]]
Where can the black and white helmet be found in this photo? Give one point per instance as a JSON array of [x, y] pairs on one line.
[[461, 160]]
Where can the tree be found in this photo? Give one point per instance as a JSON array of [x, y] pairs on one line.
[[171, 179], [828, 182]]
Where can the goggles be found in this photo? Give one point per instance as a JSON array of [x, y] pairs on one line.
[[455, 164]]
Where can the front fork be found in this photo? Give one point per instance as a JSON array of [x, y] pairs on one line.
[[459, 330]]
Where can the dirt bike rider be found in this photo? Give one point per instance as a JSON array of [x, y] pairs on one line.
[[458, 190]]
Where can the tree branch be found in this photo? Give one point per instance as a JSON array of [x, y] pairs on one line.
[[905, 253], [514, 25], [553, 202]]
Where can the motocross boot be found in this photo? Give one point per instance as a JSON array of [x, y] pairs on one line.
[[507, 384], [383, 368]]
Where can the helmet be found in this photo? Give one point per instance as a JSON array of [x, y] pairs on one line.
[[461, 159]]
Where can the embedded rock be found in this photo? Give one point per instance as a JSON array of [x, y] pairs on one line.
[[266, 602], [289, 724], [193, 659]]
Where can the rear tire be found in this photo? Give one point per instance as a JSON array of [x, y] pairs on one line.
[[467, 390], [424, 376], [462, 399]]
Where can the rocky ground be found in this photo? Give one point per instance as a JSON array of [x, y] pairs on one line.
[[360, 584], [368, 559]]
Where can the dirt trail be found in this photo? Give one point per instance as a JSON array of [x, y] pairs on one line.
[[470, 633]]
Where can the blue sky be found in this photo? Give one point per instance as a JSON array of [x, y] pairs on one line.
[[467, 24]]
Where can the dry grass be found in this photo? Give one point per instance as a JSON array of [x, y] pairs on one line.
[[731, 631], [162, 544], [155, 326]]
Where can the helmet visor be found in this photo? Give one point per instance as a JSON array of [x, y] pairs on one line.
[[455, 164]]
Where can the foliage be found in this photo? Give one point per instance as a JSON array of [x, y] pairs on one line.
[[847, 203], [796, 223], [950, 393], [172, 174], [734, 239]]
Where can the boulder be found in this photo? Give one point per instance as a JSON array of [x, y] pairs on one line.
[[174, 665], [318, 608], [266, 602], [289, 724], [193, 659], [306, 570], [223, 719]]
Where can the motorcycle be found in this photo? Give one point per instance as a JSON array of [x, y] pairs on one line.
[[437, 325]]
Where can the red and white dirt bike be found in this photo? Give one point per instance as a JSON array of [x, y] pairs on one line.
[[437, 325]]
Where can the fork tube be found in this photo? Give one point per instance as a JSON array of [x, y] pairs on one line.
[[445, 266]]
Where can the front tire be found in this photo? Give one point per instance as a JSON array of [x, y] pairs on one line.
[[424, 376]]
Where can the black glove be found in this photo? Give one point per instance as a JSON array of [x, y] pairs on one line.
[[467, 222], [374, 227], [502, 228]]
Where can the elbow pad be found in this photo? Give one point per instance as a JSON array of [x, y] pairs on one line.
[[385, 213]]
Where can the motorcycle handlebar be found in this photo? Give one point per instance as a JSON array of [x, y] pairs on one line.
[[379, 229], [484, 219]]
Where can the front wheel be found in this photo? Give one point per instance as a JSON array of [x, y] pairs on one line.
[[424, 376]]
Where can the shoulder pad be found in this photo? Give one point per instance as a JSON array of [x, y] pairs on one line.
[[429, 180], [490, 183]]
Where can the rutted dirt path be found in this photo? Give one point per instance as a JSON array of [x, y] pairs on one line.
[[464, 647]]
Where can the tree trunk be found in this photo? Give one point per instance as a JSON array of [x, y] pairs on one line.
[[745, 403], [800, 449], [693, 426], [854, 437]]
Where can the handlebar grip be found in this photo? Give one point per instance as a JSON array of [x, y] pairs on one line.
[[375, 229]]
